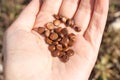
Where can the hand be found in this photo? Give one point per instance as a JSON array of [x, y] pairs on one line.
[[26, 54]]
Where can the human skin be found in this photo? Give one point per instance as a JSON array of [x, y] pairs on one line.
[[26, 55]]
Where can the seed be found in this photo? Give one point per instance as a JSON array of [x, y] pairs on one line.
[[56, 16], [41, 30], [72, 36], [64, 58], [77, 29], [62, 53], [56, 22], [64, 31], [63, 19], [55, 42], [56, 53], [65, 42], [53, 36], [71, 43], [48, 41], [51, 48], [70, 22], [70, 52], [59, 47], [50, 25], [58, 30], [47, 33]]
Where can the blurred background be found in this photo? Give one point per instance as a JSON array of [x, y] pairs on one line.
[[108, 64]]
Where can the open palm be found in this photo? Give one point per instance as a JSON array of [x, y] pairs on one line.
[[26, 54]]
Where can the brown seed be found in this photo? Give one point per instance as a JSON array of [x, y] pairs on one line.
[[55, 53], [71, 43], [65, 42], [64, 58], [55, 42], [64, 31], [47, 33], [58, 30], [41, 30], [56, 22], [51, 47], [62, 53], [70, 52], [70, 22], [59, 47], [77, 29], [53, 36], [48, 41], [50, 25], [63, 19], [56, 16], [72, 36]]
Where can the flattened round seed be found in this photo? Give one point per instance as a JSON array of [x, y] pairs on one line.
[[47, 33], [70, 52], [64, 42], [64, 58], [77, 29], [55, 42], [63, 19], [48, 41], [58, 30], [41, 30], [59, 47], [64, 31], [53, 36], [51, 47], [55, 53], [70, 22], [71, 43], [62, 53], [72, 36], [56, 16], [50, 25], [56, 22]]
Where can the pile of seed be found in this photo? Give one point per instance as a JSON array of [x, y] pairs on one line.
[[59, 40]]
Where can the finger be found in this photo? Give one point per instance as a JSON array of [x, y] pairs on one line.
[[83, 14], [27, 17], [48, 9], [68, 8], [95, 30]]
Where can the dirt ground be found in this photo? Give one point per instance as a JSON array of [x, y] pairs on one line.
[[108, 64]]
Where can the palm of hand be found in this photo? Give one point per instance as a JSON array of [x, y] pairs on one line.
[[32, 59]]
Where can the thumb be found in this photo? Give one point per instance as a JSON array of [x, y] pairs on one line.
[[27, 18]]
